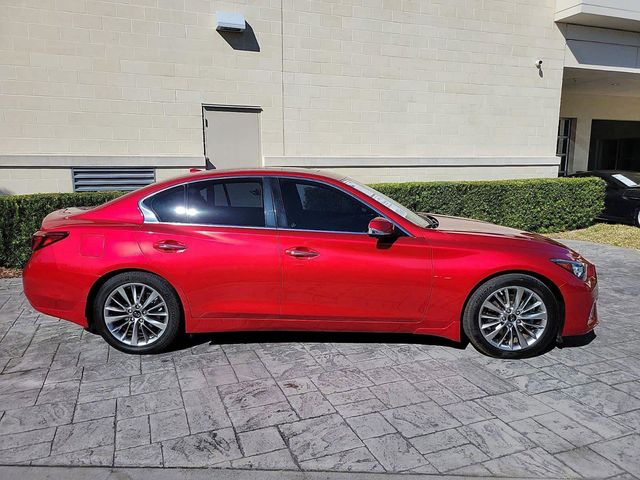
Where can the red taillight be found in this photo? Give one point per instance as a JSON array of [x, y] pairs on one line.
[[44, 239]]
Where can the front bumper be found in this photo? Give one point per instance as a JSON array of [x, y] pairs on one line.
[[580, 305]]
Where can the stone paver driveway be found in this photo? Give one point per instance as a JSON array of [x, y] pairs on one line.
[[327, 402]]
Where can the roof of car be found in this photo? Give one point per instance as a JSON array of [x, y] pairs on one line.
[[264, 171]]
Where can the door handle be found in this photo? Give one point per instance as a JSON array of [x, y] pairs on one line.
[[301, 252], [169, 246]]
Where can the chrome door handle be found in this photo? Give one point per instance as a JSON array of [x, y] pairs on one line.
[[170, 246], [301, 252]]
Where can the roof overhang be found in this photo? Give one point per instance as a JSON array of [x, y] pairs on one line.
[[615, 14]]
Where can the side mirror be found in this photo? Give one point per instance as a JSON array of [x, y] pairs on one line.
[[381, 227]]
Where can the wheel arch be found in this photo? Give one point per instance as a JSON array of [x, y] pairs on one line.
[[93, 292], [548, 282]]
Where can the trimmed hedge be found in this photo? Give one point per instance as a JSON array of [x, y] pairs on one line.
[[21, 216], [539, 205]]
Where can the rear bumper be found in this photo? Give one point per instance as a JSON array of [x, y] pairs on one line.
[[581, 311], [55, 292]]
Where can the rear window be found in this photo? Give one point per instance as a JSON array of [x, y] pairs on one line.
[[232, 202]]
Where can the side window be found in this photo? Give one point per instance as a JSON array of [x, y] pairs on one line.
[[169, 205], [313, 206], [236, 202]]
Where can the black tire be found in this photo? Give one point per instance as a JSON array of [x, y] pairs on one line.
[[636, 218], [167, 294], [471, 320]]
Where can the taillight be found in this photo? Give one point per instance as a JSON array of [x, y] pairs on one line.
[[44, 239]]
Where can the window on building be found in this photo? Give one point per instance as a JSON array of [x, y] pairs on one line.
[[313, 206], [566, 140]]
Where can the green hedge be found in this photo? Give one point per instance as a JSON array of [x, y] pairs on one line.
[[536, 205], [21, 216], [539, 205]]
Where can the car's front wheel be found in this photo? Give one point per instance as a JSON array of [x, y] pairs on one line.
[[512, 316], [636, 218], [137, 312]]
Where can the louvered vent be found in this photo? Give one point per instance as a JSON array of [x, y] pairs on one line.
[[101, 179]]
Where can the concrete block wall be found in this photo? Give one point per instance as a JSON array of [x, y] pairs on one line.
[[386, 78]]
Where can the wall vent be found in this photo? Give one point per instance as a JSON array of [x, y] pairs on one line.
[[105, 179]]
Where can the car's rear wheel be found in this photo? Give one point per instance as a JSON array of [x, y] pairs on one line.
[[636, 218], [512, 316], [137, 312]]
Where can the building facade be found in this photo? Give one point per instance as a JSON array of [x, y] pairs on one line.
[[104, 94]]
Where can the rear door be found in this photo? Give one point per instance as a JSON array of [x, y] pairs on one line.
[[216, 240], [334, 271]]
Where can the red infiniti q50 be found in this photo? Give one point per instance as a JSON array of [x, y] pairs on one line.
[[299, 250]]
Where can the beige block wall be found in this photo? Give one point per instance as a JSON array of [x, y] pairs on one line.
[[585, 108], [15, 181], [359, 77]]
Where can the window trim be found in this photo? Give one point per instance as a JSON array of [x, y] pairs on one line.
[[281, 214], [267, 204], [272, 202]]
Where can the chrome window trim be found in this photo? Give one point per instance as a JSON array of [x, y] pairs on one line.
[[154, 220]]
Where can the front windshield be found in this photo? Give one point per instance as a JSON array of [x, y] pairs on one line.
[[388, 202], [629, 179]]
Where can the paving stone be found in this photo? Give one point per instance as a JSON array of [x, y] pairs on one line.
[[456, 457], [250, 394], [513, 406], [147, 403], [297, 386], [420, 419], [205, 411], [360, 408], [468, 412], [319, 437], [205, 360], [145, 456], [568, 429], [103, 390], [152, 382], [202, 449], [166, 425], [11, 383], [219, 375], [398, 394], [26, 398], [340, 380], [260, 417], [437, 392], [395, 453], [125, 367], [370, 425], [250, 371], [64, 375], [495, 438], [622, 451], [588, 463], [261, 441], [537, 382], [80, 436], [192, 380], [25, 453], [351, 396], [23, 439], [94, 410], [278, 460], [541, 436], [535, 462], [59, 392], [356, 460], [132, 432], [311, 404], [36, 417], [463, 387], [603, 398], [100, 456], [443, 440]]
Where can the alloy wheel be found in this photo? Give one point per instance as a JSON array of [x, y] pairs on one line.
[[135, 314], [513, 318]]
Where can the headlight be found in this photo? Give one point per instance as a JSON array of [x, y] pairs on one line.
[[579, 269]]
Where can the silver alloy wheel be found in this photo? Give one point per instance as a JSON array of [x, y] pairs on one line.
[[513, 318], [136, 314]]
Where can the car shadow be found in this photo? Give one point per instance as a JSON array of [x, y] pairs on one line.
[[236, 338], [578, 341]]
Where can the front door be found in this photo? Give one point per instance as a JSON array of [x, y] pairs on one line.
[[333, 271]]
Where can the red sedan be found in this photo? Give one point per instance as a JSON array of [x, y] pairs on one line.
[[299, 250]]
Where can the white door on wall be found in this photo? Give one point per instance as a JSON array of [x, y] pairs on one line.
[[232, 136]]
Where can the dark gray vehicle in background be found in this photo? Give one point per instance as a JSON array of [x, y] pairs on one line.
[[622, 200]]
